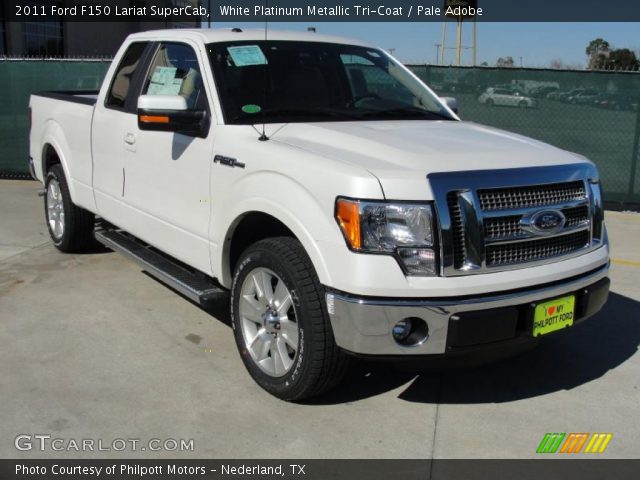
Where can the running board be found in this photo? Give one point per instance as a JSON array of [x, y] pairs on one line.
[[193, 285]]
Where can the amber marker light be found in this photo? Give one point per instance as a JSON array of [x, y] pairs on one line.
[[348, 216], [154, 119]]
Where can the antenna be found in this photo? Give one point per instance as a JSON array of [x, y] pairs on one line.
[[263, 137]]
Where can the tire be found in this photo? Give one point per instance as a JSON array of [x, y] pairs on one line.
[[70, 227], [285, 337], [523, 104], [489, 103]]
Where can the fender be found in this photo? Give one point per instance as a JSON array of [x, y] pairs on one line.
[[81, 191], [286, 200]]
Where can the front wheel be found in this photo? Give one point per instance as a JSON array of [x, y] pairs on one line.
[[280, 321]]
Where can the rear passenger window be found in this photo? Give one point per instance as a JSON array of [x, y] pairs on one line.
[[123, 78], [175, 71]]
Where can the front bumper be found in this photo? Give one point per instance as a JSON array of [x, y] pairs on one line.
[[364, 325]]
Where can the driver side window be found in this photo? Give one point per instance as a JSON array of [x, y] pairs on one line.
[[175, 71]]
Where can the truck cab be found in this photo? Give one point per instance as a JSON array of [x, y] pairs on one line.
[[342, 206]]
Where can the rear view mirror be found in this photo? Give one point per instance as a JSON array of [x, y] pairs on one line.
[[169, 113], [452, 103]]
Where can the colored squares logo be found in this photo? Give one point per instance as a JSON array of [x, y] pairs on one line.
[[574, 443]]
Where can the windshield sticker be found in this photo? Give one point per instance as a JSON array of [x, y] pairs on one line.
[[251, 108], [247, 55], [164, 82]]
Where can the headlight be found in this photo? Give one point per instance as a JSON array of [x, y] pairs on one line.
[[404, 230]]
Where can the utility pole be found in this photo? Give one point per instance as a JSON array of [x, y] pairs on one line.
[[437, 45], [444, 40], [459, 44]]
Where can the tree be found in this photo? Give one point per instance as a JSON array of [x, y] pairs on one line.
[[622, 59], [507, 62], [557, 64], [597, 50]]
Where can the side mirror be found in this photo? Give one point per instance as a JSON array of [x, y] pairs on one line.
[[452, 103], [169, 113]]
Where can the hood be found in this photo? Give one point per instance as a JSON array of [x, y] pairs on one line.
[[394, 151]]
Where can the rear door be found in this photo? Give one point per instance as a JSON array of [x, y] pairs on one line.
[[113, 119]]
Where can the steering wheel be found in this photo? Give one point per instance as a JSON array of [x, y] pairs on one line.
[[359, 98]]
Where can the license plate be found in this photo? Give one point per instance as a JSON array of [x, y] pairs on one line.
[[553, 315]]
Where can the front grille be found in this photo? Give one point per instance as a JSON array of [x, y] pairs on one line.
[[503, 227], [457, 228], [529, 251], [509, 226], [531, 196], [491, 227]]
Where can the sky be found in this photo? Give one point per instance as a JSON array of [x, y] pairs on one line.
[[537, 43]]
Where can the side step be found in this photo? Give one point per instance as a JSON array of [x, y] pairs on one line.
[[193, 285]]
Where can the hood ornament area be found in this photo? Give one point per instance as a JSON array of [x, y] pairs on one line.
[[543, 222]]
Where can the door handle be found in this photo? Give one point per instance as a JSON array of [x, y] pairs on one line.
[[129, 139]]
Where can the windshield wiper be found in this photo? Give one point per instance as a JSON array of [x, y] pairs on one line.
[[271, 113], [406, 112]]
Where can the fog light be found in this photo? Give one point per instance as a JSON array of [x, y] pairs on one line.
[[410, 332], [418, 261], [402, 330]]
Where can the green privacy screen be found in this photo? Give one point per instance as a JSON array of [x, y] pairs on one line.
[[591, 113], [18, 79]]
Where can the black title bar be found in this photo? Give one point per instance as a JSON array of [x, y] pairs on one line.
[[322, 10]]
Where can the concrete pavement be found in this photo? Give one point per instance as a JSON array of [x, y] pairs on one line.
[[95, 349]]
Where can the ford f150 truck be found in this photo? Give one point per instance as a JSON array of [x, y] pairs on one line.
[[345, 207]]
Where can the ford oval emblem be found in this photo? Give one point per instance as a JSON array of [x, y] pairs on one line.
[[544, 222]]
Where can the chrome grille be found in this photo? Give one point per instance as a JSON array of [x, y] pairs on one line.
[[509, 227], [532, 196], [524, 252], [488, 227], [459, 252]]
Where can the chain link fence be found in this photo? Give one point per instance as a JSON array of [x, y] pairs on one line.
[[592, 113], [18, 79], [595, 114]]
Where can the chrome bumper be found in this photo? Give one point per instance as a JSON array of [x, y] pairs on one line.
[[364, 326]]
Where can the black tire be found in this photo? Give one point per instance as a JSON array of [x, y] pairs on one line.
[[489, 103], [77, 231], [523, 104], [318, 364]]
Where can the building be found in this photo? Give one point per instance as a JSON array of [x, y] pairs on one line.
[[57, 38]]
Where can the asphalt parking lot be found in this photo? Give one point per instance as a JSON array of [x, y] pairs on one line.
[[94, 348]]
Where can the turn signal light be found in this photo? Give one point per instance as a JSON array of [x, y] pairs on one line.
[[348, 216]]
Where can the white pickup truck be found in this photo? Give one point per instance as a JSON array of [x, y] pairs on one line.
[[344, 206]]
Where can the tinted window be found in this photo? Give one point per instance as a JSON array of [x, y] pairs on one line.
[[123, 78], [281, 81], [175, 71]]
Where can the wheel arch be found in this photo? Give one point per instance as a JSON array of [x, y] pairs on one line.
[[258, 224]]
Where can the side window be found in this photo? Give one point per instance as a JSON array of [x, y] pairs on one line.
[[175, 71], [123, 78]]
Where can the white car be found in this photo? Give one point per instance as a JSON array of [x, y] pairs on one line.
[[344, 207], [506, 98]]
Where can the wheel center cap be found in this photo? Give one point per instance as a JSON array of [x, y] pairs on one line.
[[271, 321]]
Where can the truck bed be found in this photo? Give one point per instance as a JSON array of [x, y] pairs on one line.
[[86, 97]]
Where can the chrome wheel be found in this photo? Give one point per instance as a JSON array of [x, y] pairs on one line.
[[55, 209], [268, 322]]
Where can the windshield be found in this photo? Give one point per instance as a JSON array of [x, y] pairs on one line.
[[283, 81]]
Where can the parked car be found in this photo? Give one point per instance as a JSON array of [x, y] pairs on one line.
[[507, 98], [585, 97], [543, 92], [339, 220], [619, 101]]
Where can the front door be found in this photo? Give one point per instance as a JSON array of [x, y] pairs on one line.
[[168, 174]]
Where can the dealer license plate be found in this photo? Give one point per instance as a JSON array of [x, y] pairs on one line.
[[553, 315]]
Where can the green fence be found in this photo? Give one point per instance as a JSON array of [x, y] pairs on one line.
[[18, 79], [593, 113]]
